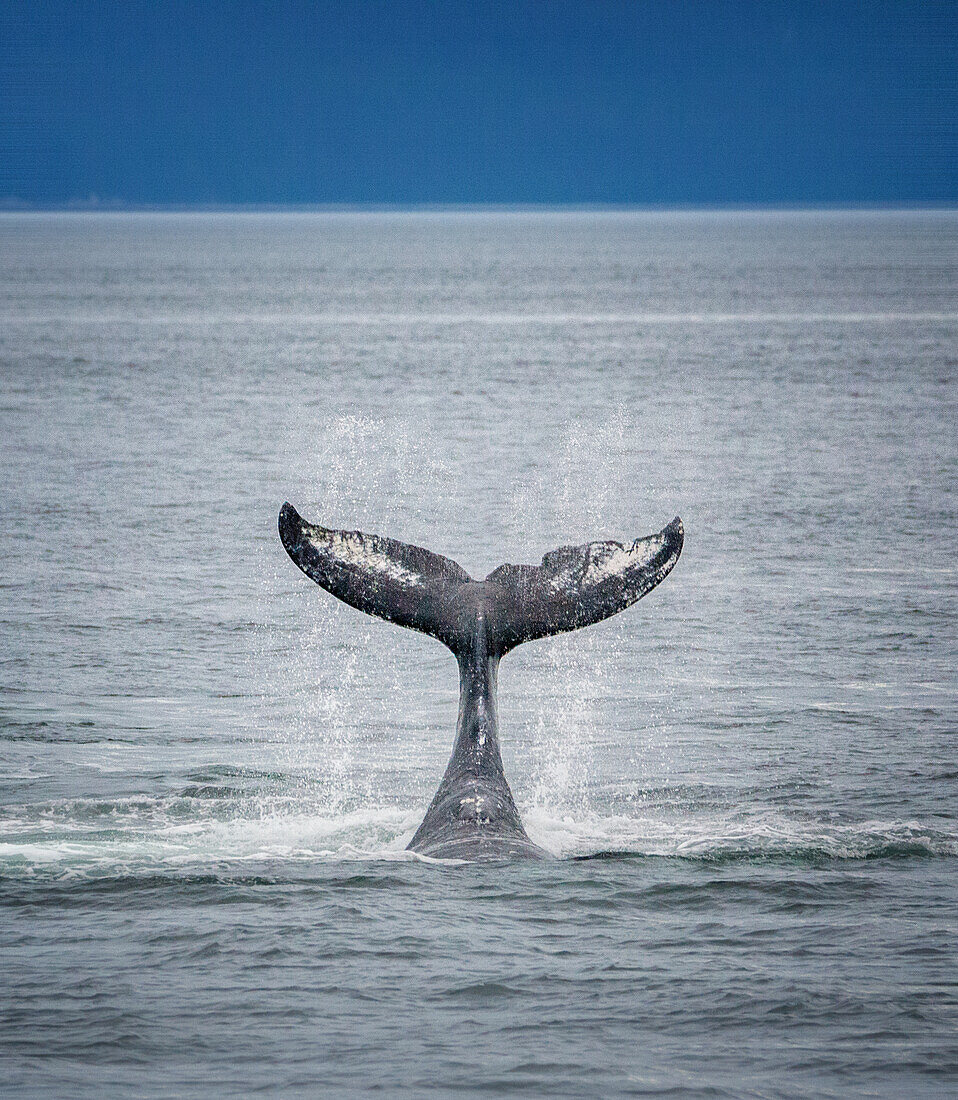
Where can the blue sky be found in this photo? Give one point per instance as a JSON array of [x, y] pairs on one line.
[[373, 101]]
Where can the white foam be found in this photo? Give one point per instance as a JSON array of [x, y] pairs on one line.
[[759, 833], [145, 837], [148, 836]]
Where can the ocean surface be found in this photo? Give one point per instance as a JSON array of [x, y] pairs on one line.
[[209, 769]]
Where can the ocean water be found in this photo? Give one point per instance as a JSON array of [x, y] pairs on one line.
[[209, 770]]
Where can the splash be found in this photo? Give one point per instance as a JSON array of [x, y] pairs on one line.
[[583, 490], [348, 700], [335, 681], [341, 686]]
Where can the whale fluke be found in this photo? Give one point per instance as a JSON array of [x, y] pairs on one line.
[[573, 587], [473, 815]]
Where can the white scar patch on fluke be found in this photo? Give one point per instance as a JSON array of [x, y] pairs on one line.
[[613, 559], [349, 548], [605, 560]]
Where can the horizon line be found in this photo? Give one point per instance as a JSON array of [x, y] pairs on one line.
[[117, 206]]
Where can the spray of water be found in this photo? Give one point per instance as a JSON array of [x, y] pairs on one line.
[[361, 472], [582, 491], [343, 673]]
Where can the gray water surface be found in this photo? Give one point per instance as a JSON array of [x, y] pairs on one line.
[[209, 770]]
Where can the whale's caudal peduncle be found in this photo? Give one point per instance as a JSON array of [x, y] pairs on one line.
[[473, 815]]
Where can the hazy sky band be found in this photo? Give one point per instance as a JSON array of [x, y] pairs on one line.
[[542, 102]]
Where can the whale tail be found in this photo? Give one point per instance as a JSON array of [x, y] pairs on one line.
[[412, 587]]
